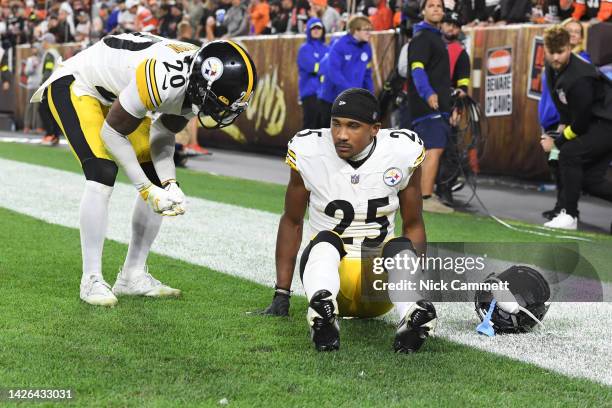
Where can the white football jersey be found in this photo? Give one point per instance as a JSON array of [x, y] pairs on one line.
[[146, 72], [357, 203]]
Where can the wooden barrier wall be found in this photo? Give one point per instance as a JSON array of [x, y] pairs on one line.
[[274, 115], [512, 141]]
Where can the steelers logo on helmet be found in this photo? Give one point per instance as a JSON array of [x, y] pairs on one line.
[[221, 83], [392, 176], [212, 69]]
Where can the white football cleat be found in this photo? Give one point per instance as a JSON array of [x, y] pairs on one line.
[[142, 285], [563, 221], [95, 291]]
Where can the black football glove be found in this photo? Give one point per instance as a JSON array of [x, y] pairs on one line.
[[280, 303]]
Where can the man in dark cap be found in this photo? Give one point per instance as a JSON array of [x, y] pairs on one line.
[[353, 178]]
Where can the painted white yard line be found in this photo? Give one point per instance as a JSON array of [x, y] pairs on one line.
[[240, 241]]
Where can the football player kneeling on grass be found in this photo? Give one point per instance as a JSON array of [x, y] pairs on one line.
[[353, 178], [122, 101]]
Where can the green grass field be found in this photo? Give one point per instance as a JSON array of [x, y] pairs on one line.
[[204, 347]]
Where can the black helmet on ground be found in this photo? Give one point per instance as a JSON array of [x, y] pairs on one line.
[[519, 309]]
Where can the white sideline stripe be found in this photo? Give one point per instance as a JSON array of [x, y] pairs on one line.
[[577, 340], [28, 140]]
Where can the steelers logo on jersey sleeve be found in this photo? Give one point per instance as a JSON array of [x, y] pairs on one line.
[[392, 176]]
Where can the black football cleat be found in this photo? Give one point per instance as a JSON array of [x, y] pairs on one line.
[[324, 328], [415, 327]]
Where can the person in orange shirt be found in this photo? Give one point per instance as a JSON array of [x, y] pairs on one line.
[[260, 15], [599, 10], [381, 16]]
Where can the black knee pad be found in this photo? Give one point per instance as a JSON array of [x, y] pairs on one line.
[[100, 170], [323, 236], [149, 170], [396, 245]]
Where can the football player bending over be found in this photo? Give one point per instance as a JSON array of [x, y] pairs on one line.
[[353, 178], [122, 101]]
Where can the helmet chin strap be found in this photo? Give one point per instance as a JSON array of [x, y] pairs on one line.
[[507, 302], [528, 313]]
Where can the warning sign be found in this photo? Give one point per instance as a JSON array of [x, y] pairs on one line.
[[536, 69], [498, 82]]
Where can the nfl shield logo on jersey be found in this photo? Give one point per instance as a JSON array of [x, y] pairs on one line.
[[392, 176], [355, 179]]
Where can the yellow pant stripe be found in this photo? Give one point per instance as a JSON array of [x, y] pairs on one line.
[[57, 118], [91, 115]]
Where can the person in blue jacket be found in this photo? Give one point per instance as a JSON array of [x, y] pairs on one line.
[[309, 59], [348, 65], [548, 114]]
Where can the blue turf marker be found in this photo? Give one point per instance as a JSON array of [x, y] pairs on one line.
[[485, 326]]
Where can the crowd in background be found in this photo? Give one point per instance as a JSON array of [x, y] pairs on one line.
[[27, 21]]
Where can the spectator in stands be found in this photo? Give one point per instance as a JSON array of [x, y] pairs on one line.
[[309, 62], [15, 23], [50, 60], [280, 16], [31, 119], [127, 18], [596, 11], [583, 97], [290, 9], [146, 21], [332, 21], [380, 15], [300, 15], [185, 34], [236, 20], [62, 30], [429, 93], [211, 24], [97, 30], [349, 64], [219, 29], [112, 23], [259, 10], [551, 11], [515, 11], [548, 114], [82, 29], [113, 19], [411, 15], [194, 9], [168, 24]]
